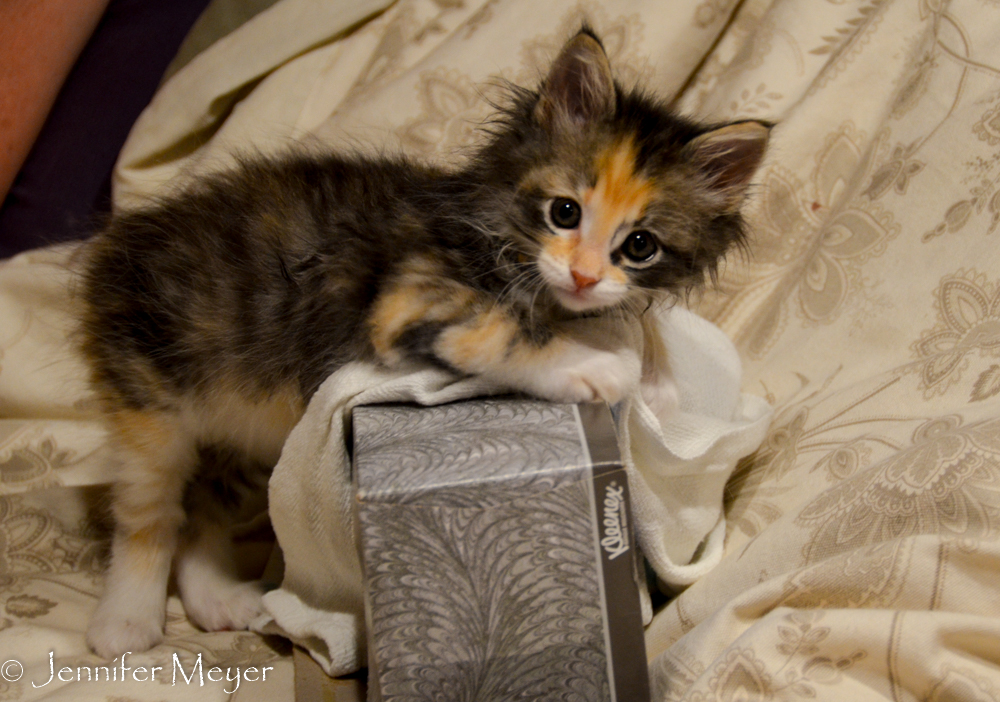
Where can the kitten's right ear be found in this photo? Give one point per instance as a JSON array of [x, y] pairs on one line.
[[579, 88]]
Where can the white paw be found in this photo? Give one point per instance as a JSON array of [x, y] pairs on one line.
[[112, 633], [225, 606], [583, 374]]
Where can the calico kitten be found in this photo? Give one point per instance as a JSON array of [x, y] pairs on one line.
[[213, 315]]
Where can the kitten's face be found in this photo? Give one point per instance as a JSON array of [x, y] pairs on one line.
[[605, 233], [615, 196]]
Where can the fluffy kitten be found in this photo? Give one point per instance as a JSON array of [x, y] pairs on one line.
[[214, 315]]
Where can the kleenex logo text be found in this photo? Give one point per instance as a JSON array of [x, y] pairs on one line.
[[615, 541]]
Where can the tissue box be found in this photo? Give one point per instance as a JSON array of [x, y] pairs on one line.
[[498, 553]]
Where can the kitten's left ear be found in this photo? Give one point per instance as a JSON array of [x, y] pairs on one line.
[[579, 88], [729, 157]]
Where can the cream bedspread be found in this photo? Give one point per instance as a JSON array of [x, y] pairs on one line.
[[862, 546]]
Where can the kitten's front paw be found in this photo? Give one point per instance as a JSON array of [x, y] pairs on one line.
[[585, 374], [224, 607], [113, 633]]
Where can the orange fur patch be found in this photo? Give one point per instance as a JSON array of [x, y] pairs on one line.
[[149, 549], [617, 275], [157, 463], [525, 354], [421, 294], [143, 432], [149, 537], [561, 248], [494, 342], [481, 343], [255, 421], [392, 313], [619, 195], [284, 407]]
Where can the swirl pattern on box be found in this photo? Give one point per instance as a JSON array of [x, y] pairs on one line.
[[402, 452], [480, 590]]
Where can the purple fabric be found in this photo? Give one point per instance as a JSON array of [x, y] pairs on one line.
[[63, 187]]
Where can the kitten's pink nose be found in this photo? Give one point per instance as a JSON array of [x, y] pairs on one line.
[[583, 281]]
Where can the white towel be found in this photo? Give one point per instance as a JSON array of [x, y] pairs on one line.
[[677, 472]]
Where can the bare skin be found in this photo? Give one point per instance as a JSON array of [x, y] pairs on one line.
[[40, 41]]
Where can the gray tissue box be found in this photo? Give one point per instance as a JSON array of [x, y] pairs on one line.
[[498, 553]]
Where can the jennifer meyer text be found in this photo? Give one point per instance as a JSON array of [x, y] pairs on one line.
[[192, 673]]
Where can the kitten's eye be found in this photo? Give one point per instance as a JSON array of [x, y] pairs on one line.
[[565, 213], [639, 246]]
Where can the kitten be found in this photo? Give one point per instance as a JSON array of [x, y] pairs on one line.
[[213, 315]]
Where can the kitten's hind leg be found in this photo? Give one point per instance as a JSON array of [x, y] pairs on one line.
[[214, 596], [157, 458]]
